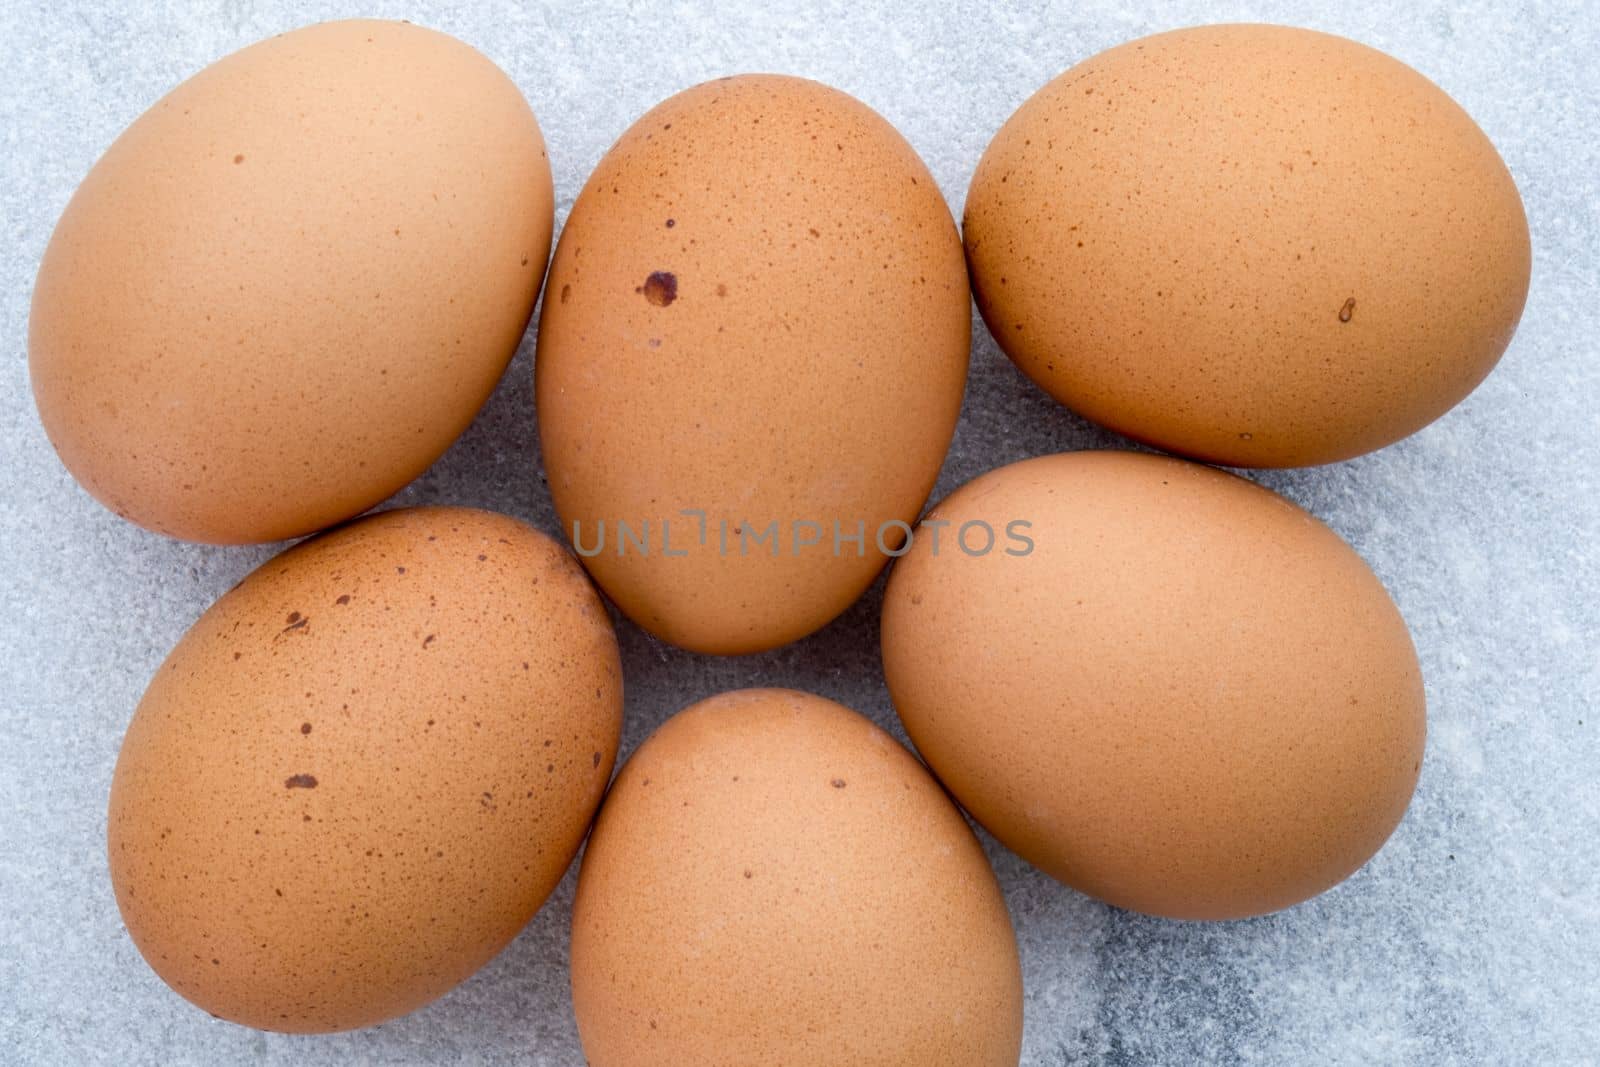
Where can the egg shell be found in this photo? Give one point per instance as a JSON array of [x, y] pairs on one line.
[[287, 287], [362, 771], [1255, 245], [1189, 698], [758, 312], [773, 879]]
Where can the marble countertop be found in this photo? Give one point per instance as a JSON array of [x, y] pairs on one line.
[[1474, 937]]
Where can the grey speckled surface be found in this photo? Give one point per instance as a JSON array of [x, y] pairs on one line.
[[1473, 937]]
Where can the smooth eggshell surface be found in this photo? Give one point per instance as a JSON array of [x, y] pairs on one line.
[[1254, 245], [290, 285], [775, 880], [758, 311], [1190, 698], [362, 771]]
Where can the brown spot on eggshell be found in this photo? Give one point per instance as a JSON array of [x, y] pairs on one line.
[[300, 781], [660, 288]]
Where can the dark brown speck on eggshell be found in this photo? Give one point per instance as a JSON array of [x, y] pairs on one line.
[[305, 862], [661, 288]]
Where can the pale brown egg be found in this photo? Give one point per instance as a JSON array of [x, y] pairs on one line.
[[774, 880], [751, 359], [287, 287], [1164, 685], [361, 772], [1254, 245]]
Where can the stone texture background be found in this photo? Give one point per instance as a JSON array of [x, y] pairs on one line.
[[1474, 937]]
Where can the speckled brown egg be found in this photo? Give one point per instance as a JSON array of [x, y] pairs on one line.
[[774, 880], [1171, 689], [290, 284], [751, 359], [362, 771], [1254, 245]]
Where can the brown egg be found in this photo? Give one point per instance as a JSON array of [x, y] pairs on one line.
[[1254, 245], [290, 284], [774, 880], [750, 361], [362, 771], [1164, 685]]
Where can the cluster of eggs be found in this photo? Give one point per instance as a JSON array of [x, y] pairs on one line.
[[286, 289]]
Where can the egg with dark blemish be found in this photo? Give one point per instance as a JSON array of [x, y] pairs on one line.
[[774, 880], [762, 327], [362, 770], [1253, 245], [288, 286]]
